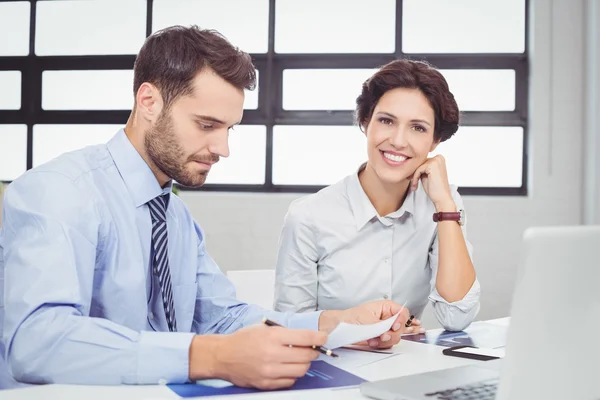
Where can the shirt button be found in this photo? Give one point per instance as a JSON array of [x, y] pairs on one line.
[[151, 316], [385, 296], [385, 261]]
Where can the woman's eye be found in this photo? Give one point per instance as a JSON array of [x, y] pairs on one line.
[[385, 121], [419, 128]]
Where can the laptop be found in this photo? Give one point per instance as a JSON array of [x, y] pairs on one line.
[[552, 349]]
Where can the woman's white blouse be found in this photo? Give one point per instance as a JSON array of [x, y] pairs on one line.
[[336, 252]]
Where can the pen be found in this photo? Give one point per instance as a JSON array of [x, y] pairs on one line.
[[320, 349], [409, 322], [368, 350]]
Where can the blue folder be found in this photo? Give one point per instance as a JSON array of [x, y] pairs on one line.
[[321, 375]]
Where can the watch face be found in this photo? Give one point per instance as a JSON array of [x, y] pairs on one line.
[[463, 217]]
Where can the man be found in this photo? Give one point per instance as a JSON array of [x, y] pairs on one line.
[[107, 277]]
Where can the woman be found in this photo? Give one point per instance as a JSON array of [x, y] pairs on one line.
[[374, 235]]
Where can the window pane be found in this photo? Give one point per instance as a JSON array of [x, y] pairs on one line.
[[463, 26], [90, 27], [10, 92], [87, 90], [483, 89], [316, 155], [251, 99], [50, 141], [303, 88], [98, 90], [13, 151], [246, 161], [14, 28], [243, 22], [328, 26], [484, 156]]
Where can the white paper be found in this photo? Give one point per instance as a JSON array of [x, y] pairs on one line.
[[216, 383], [355, 358], [345, 334]]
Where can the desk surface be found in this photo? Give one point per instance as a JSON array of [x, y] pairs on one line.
[[414, 358]]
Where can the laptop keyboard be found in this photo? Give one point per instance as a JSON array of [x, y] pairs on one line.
[[478, 391]]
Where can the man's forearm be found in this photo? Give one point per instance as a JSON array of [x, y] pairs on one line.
[[55, 346]]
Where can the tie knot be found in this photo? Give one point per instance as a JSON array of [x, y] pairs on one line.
[[158, 208]]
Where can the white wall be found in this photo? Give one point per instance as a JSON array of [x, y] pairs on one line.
[[591, 171], [242, 229]]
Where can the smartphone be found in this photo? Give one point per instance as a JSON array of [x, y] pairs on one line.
[[474, 353]]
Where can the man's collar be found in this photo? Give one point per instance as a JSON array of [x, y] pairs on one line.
[[137, 175]]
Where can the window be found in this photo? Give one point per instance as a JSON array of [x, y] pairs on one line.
[[246, 162], [323, 26], [13, 142], [476, 153], [245, 23], [322, 89], [87, 90], [10, 82], [70, 27], [14, 24], [50, 141], [482, 89], [463, 26], [316, 155], [66, 78]]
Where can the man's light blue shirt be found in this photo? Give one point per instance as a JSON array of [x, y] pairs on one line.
[[79, 302]]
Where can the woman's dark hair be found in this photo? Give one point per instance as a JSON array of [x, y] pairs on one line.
[[171, 58], [411, 74]]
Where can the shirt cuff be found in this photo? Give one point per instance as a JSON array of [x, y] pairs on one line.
[[465, 304], [308, 320], [163, 357]]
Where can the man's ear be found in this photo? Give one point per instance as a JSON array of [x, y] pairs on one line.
[[149, 102]]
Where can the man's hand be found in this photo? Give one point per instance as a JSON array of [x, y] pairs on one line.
[[371, 313], [258, 356]]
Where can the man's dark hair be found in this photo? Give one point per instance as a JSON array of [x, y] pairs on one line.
[[171, 58], [411, 74]]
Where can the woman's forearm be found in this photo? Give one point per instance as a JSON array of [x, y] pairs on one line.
[[456, 273]]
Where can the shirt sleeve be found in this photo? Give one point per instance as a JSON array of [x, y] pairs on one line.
[[48, 247], [457, 315], [219, 311], [296, 278]]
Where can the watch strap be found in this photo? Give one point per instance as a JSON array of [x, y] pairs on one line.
[[446, 216]]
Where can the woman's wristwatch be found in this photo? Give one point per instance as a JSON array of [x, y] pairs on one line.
[[450, 216]]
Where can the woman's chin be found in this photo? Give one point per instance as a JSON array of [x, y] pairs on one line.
[[388, 178]]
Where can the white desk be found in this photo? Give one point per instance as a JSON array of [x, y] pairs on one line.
[[414, 358]]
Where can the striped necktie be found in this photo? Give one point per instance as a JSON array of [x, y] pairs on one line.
[[160, 267]]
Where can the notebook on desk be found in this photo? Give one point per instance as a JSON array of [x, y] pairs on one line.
[[321, 375]]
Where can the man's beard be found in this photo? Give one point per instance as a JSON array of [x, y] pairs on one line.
[[165, 151]]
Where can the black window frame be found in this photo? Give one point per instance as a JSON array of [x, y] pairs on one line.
[[270, 110]]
